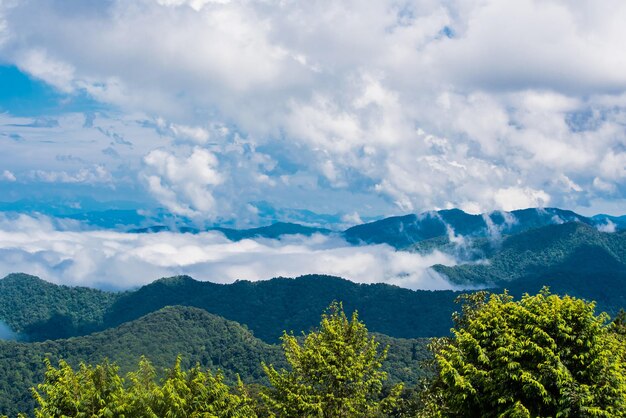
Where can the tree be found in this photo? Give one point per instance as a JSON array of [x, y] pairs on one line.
[[335, 372], [543, 355], [100, 392], [195, 393], [92, 391]]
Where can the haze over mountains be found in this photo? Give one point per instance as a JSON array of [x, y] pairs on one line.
[[571, 257], [521, 250], [397, 250]]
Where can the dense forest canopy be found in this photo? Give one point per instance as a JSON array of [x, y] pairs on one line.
[[542, 355]]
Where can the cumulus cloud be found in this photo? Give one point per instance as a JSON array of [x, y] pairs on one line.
[[120, 260], [513, 198], [421, 104], [183, 184], [503, 45]]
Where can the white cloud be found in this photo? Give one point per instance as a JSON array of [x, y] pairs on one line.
[[44, 143], [120, 260], [183, 184], [425, 104], [97, 174], [55, 72], [607, 227], [196, 134], [613, 166], [6, 333], [513, 198], [7, 176], [351, 219], [570, 46], [197, 5]]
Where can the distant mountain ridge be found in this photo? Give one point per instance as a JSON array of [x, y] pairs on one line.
[[397, 231], [573, 258], [404, 231], [496, 251], [542, 249], [273, 231]]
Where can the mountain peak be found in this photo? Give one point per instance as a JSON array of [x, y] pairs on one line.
[[175, 280]]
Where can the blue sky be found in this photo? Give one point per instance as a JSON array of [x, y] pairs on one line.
[[216, 110]]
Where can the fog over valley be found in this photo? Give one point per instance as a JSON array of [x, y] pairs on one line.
[[118, 260]]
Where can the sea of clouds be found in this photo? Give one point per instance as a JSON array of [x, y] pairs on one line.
[[66, 253]]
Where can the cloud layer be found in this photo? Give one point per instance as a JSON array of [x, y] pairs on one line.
[[397, 105], [110, 259]]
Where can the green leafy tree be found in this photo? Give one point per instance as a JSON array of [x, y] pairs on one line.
[[335, 372], [100, 392], [141, 391], [92, 391], [195, 393], [541, 356]]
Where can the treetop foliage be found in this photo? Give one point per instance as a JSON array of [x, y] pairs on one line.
[[335, 372], [100, 392], [541, 356]]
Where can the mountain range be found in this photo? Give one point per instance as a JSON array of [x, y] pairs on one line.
[[573, 258], [404, 231], [235, 327], [398, 231], [39, 310]]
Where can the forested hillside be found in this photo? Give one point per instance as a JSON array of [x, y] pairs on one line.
[[267, 308], [42, 310], [196, 335], [544, 355], [572, 258]]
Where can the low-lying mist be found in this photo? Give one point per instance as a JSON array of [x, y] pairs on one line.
[[115, 260], [6, 333]]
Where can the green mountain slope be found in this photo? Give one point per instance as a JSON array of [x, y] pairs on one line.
[[44, 310], [571, 258], [195, 334], [269, 307]]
